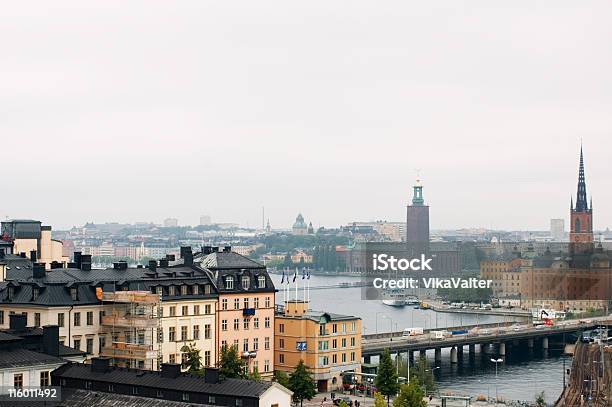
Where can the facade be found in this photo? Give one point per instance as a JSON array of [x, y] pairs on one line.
[[245, 311], [505, 272], [170, 385], [557, 229], [329, 344], [417, 221], [34, 239], [170, 222]]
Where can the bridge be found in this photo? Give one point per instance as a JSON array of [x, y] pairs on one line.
[[492, 338]]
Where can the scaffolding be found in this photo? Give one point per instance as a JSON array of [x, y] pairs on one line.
[[132, 320]]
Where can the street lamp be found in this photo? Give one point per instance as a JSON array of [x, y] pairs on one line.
[[496, 361]]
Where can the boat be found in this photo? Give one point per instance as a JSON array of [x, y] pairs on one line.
[[394, 298]]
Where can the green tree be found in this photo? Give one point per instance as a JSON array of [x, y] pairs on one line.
[[386, 377], [254, 375], [288, 262], [423, 375], [301, 384], [194, 360], [342, 404], [539, 400], [379, 400], [410, 395], [281, 378], [230, 364]]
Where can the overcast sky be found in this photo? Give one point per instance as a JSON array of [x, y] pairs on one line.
[[141, 110]]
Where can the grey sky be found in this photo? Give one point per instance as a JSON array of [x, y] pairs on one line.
[[141, 110]]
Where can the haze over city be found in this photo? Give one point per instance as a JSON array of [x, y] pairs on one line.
[[138, 112]]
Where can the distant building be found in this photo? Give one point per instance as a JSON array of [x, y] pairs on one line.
[[557, 229], [417, 221], [32, 238], [205, 220], [328, 343], [299, 226], [301, 256], [170, 222], [581, 216]]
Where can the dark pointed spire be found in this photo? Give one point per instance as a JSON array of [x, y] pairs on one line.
[[581, 195]]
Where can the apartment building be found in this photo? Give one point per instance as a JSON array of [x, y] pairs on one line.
[[245, 312], [328, 343], [32, 238]]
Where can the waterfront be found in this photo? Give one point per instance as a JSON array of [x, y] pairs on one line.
[[519, 377]]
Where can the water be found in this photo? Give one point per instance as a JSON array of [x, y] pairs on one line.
[[520, 377]]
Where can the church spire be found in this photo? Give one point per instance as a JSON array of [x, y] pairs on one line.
[[581, 194], [417, 197]]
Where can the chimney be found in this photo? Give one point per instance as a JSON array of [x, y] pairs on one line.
[[170, 370], [77, 259], [163, 262], [38, 270], [170, 257], [206, 249], [51, 340], [18, 322], [2, 253], [211, 375], [56, 265], [72, 265], [33, 257], [188, 259], [215, 249], [100, 364], [227, 249], [152, 265], [86, 262], [184, 250], [22, 255]]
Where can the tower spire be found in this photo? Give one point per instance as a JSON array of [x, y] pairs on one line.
[[581, 194]]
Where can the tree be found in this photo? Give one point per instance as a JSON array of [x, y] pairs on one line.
[[410, 395], [423, 375], [379, 400], [288, 262], [281, 378], [254, 375], [343, 404], [539, 400], [230, 364], [386, 378], [194, 360], [301, 384]]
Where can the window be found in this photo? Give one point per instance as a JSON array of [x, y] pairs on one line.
[[159, 290], [267, 322], [207, 289], [224, 325], [207, 309], [172, 334], [207, 358], [281, 328], [173, 311], [236, 324], [195, 289], [256, 302], [323, 361], [245, 344], [73, 293], [207, 331], [211, 400], [196, 310], [323, 345], [344, 358], [236, 303], [255, 343], [229, 283], [334, 359], [100, 315], [101, 342], [172, 358], [89, 345], [77, 344], [261, 282], [18, 380], [160, 394], [344, 342], [281, 343], [343, 328], [267, 343], [235, 344], [90, 318], [353, 326], [281, 358], [322, 329], [45, 378], [353, 341], [256, 323], [334, 344], [224, 304], [185, 310], [246, 302], [334, 328], [238, 402], [196, 332], [37, 319], [184, 290], [183, 333], [352, 356], [266, 365], [35, 292], [77, 319], [1, 317], [184, 359], [185, 396], [246, 280], [171, 290], [245, 324], [10, 292], [267, 302]]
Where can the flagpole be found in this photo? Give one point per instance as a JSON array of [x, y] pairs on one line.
[[304, 289], [308, 283], [297, 283]]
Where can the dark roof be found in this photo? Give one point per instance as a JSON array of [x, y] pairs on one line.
[[154, 379], [228, 260], [85, 398], [317, 316], [220, 265], [24, 357]]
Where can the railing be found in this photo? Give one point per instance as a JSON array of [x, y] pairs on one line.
[[135, 321], [126, 350], [138, 297]]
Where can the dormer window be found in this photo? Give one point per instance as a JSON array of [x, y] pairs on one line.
[[159, 290], [229, 283], [261, 282], [183, 290], [35, 292], [73, 293], [246, 282], [195, 289], [10, 293], [171, 290]]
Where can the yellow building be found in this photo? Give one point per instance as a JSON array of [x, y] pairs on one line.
[[329, 344], [32, 238]]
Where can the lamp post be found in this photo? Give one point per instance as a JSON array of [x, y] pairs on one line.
[[496, 361]]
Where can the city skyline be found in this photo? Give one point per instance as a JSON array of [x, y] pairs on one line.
[[490, 103]]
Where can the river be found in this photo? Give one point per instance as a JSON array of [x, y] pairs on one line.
[[520, 376]]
